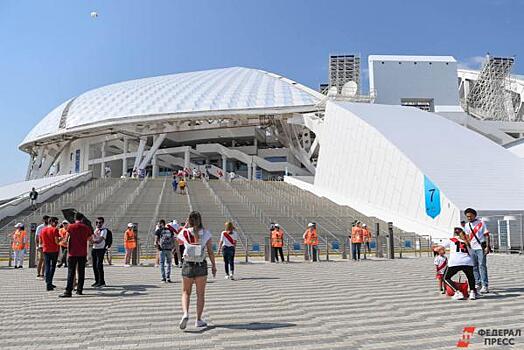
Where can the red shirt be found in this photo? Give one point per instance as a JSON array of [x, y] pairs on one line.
[[79, 234], [48, 237]]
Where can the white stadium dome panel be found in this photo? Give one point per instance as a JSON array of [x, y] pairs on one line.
[[139, 124], [375, 158], [211, 92]]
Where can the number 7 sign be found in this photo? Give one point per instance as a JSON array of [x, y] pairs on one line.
[[432, 198]]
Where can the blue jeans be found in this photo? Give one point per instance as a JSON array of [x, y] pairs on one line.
[[355, 248], [166, 259], [50, 266], [480, 270]]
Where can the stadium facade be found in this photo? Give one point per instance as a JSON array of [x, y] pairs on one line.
[[418, 167]]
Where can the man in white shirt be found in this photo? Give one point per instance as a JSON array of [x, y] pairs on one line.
[[478, 235], [39, 252], [98, 252]]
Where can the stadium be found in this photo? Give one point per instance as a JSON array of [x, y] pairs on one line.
[[426, 142]]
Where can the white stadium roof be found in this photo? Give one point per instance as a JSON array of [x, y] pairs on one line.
[[217, 91], [471, 169]]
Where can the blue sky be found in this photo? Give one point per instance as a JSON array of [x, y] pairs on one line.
[[53, 50]]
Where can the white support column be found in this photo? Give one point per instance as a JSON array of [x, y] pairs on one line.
[[103, 164], [187, 158], [157, 142], [35, 169], [154, 165], [124, 159], [29, 167], [140, 152], [224, 167], [254, 172], [250, 170]]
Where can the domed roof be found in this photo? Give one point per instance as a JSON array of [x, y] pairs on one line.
[[227, 90]]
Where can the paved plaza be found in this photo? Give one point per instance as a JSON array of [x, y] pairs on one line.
[[374, 304]]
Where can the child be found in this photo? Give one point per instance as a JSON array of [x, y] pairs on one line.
[[441, 263]]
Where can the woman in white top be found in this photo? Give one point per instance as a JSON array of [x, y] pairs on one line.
[[227, 244], [197, 240], [459, 260]]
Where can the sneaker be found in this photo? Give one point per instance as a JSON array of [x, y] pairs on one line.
[[458, 296], [163, 280], [65, 295], [472, 295], [169, 280], [183, 322], [79, 292], [127, 265], [101, 285], [478, 286], [484, 290], [226, 277], [16, 267], [200, 323], [231, 277]]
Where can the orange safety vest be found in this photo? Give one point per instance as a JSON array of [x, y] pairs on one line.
[[277, 238], [356, 235], [19, 240], [130, 239], [63, 237], [366, 234], [311, 237]]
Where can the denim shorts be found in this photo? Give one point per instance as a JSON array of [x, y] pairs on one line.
[[192, 269]]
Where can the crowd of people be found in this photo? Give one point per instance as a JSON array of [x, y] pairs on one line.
[[189, 243]]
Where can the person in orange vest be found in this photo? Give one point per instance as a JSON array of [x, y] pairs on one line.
[[356, 240], [129, 243], [311, 241], [277, 242], [19, 244], [366, 238], [63, 244]]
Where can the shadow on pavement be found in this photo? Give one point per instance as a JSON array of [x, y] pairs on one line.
[[499, 296], [252, 326]]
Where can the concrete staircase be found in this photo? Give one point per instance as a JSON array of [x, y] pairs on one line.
[[252, 205]]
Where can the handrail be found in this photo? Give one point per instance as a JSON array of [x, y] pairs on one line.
[[225, 211], [122, 208], [256, 210], [42, 190], [10, 223], [154, 219]]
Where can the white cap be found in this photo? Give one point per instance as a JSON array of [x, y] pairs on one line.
[[130, 224], [174, 222], [277, 225], [364, 225], [311, 224], [19, 225], [65, 222]]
